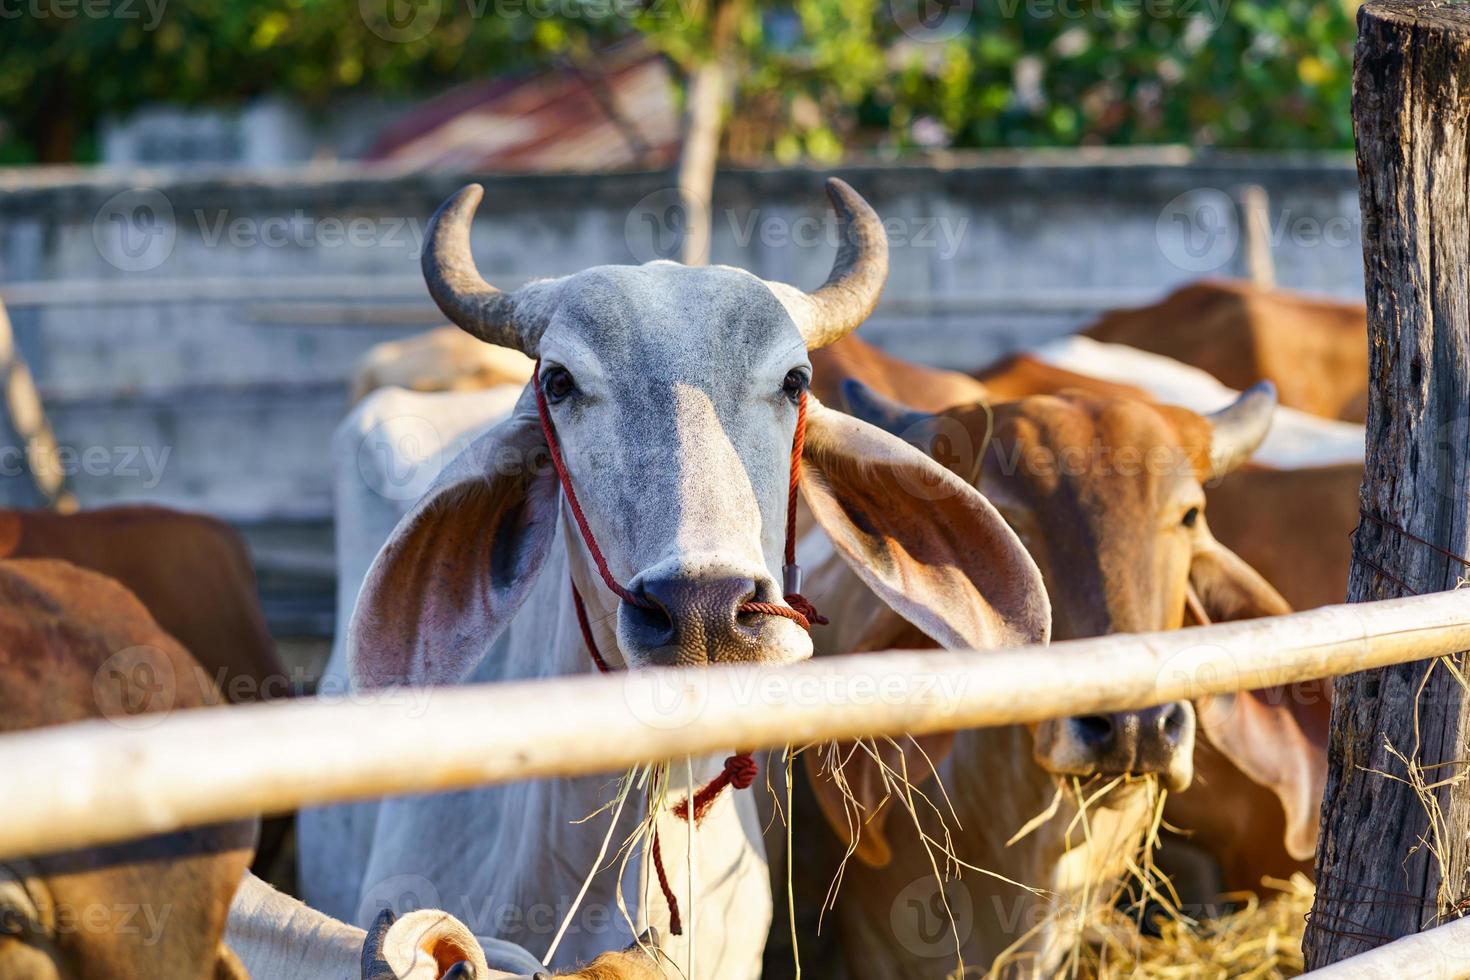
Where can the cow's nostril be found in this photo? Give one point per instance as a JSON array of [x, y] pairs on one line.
[[652, 624], [1094, 731], [1172, 722]]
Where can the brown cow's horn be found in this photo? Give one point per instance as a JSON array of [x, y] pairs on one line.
[[1238, 428], [856, 281], [468, 300]]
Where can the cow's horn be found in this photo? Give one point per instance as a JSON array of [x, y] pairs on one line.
[[1238, 428], [418, 946], [456, 285], [858, 273]]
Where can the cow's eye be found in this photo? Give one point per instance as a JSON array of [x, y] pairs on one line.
[[1190, 517], [557, 383], [794, 384]]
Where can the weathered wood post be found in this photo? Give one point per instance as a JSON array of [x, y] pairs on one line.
[[1395, 847]]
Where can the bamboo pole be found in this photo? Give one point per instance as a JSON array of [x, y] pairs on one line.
[[1441, 953], [99, 781]]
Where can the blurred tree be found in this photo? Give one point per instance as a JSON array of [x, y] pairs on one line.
[[1239, 73], [810, 78]]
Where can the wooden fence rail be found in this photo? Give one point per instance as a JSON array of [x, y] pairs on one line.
[[101, 781], [1441, 953]]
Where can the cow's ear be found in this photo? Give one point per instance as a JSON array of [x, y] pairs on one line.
[[1228, 588], [925, 541], [459, 565], [227, 965], [1277, 736], [420, 946]]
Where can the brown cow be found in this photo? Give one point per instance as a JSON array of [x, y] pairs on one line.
[[1107, 494], [76, 645], [1291, 525], [192, 572], [1314, 349]]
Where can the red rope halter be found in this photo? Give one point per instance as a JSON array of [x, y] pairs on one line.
[[740, 770]]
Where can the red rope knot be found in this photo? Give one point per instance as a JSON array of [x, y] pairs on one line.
[[804, 607], [740, 771]]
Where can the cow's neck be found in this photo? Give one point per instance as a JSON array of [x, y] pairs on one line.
[[730, 918], [893, 917]]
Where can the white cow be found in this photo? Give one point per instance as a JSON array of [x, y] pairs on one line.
[[277, 937], [674, 393]]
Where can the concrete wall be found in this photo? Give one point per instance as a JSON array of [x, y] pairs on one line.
[[215, 318]]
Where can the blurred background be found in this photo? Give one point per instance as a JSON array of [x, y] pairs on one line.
[[211, 209]]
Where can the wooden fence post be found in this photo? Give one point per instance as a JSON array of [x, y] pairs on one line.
[[1395, 846]]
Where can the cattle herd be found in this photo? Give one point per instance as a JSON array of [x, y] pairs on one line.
[[734, 477]]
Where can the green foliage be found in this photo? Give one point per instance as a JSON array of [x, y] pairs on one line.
[[62, 69], [1236, 73], [818, 77]]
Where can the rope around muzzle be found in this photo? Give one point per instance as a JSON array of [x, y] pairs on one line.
[[740, 769]]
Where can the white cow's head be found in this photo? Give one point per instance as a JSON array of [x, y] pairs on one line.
[[673, 392]]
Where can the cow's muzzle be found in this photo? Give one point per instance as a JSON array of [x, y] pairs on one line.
[[1155, 740], [695, 617]]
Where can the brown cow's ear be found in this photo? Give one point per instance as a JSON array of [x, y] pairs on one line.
[[858, 802], [925, 541], [1228, 587], [1277, 736], [460, 564], [227, 965]]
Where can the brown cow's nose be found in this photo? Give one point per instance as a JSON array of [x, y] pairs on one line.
[[1154, 740], [696, 618], [1131, 741]]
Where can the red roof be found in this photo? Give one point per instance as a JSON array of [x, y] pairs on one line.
[[621, 116]]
